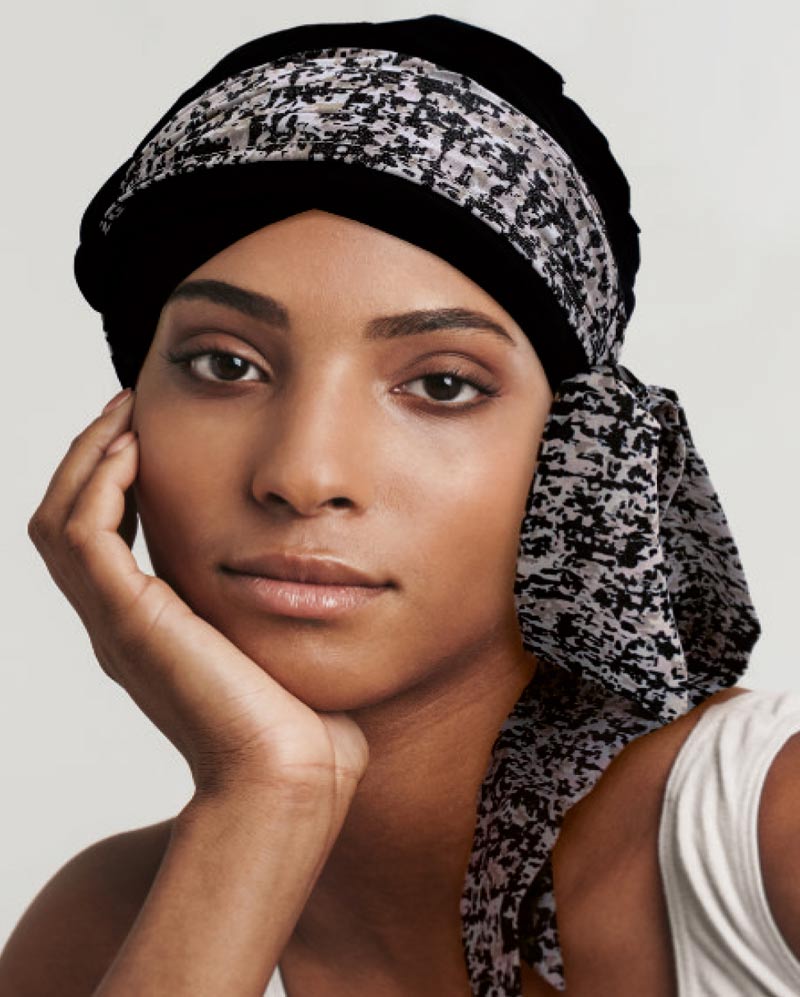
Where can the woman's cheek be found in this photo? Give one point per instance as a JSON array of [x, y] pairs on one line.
[[177, 488]]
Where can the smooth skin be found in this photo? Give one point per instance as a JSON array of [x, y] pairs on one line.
[[379, 723]]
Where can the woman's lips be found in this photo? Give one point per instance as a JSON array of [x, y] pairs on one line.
[[302, 599], [309, 568]]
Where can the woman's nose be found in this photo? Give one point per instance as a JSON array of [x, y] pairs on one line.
[[315, 451]]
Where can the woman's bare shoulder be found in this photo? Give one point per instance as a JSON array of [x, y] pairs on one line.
[[668, 739], [655, 751], [73, 928]]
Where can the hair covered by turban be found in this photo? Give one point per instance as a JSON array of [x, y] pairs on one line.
[[629, 586], [126, 271]]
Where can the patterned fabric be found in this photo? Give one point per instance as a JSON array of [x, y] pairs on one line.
[[627, 571], [433, 127], [562, 733], [630, 591], [629, 587]]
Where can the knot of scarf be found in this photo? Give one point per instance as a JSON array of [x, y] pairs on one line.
[[628, 571]]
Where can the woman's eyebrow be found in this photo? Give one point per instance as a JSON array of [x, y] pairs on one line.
[[220, 292], [431, 320], [269, 310]]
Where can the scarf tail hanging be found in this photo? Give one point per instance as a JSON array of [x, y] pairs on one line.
[[631, 593]]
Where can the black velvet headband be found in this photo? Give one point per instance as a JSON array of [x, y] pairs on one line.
[[629, 586]]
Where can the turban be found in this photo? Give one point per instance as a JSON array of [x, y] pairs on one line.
[[629, 587]]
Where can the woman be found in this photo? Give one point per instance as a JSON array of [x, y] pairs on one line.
[[442, 592]]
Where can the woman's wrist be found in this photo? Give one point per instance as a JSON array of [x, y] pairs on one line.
[[260, 797]]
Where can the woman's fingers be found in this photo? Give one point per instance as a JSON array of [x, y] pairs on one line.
[[228, 717], [84, 453], [209, 698], [91, 535]]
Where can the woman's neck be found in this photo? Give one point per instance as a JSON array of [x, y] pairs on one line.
[[390, 891]]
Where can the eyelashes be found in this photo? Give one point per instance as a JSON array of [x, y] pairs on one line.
[[186, 362], [193, 362]]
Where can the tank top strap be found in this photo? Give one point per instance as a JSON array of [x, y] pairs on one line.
[[725, 938], [275, 987]]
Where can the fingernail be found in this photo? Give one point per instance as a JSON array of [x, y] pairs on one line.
[[118, 399]]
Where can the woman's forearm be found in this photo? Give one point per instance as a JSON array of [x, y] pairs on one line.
[[232, 884]]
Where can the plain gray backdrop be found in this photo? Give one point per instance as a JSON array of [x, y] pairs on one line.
[[698, 100]]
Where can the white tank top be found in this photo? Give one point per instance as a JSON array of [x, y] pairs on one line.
[[725, 939], [724, 936], [275, 986]]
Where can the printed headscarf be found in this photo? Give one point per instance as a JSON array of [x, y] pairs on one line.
[[629, 586]]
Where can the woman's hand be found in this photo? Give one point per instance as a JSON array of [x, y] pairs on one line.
[[234, 724]]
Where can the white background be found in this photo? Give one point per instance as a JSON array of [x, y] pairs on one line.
[[699, 102]]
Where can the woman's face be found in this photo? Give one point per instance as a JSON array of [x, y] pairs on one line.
[[335, 430]]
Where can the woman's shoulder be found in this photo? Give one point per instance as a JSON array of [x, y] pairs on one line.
[[644, 763], [765, 724], [765, 713], [607, 873], [641, 769], [666, 741], [73, 928]]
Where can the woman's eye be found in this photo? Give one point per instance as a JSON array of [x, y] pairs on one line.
[[217, 365], [447, 385]]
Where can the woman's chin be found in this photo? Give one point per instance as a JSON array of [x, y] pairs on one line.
[[323, 680], [325, 692]]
